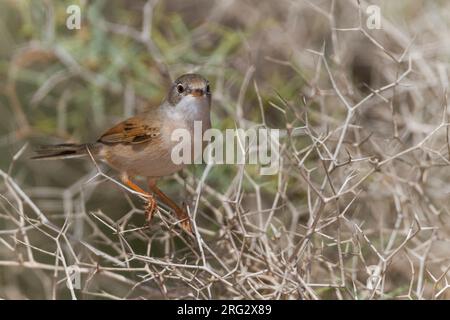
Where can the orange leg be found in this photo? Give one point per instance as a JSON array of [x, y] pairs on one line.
[[180, 213], [150, 208]]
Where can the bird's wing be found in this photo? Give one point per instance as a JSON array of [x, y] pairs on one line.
[[134, 130]]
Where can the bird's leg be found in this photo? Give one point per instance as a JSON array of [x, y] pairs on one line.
[[180, 213], [150, 207]]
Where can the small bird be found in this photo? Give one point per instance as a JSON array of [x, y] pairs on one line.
[[142, 145]]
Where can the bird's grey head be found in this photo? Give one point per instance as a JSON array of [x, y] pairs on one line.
[[189, 85]]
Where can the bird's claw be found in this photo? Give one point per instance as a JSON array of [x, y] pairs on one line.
[[150, 208]]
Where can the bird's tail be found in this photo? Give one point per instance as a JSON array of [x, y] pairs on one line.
[[63, 151]]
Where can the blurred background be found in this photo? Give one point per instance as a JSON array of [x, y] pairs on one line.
[[359, 209]]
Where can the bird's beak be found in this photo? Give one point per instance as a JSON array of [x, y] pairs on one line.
[[197, 93]]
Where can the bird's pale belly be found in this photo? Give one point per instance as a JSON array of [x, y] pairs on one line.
[[148, 159]]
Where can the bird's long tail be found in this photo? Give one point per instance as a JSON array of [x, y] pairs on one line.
[[64, 151]]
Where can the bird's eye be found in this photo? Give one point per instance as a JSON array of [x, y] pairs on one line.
[[180, 88], [207, 88]]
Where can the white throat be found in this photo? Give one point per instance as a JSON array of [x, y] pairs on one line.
[[191, 108]]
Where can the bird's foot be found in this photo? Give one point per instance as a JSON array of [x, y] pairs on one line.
[[150, 208], [185, 222]]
